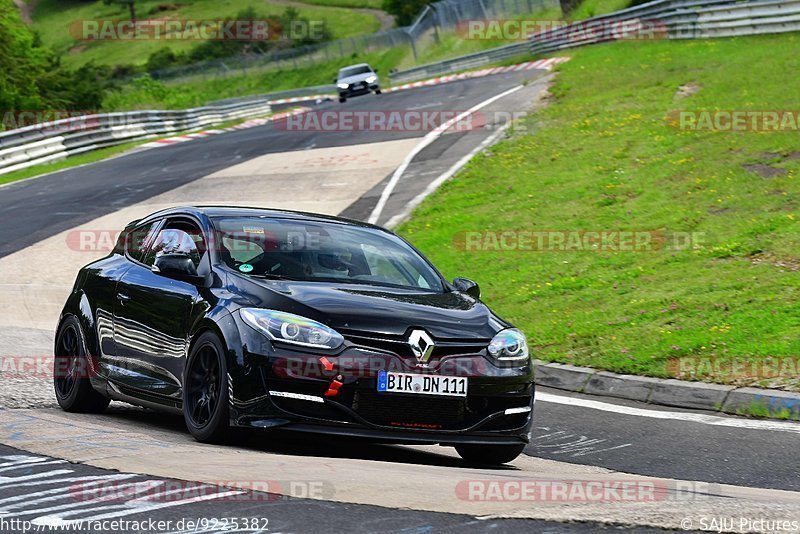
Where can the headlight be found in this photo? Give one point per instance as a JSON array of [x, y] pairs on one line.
[[342, 85], [282, 326], [372, 79], [509, 344]]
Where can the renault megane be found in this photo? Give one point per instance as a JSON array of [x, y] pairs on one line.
[[254, 318]]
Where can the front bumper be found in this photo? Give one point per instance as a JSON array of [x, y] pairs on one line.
[[297, 391], [357, 89]]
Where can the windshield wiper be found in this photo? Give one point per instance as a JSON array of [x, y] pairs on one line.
[[270, 276]]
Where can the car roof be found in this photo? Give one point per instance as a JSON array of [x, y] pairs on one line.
[[356, 65], [244, 211]]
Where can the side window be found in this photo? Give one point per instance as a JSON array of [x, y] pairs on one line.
[[178, 237], [239, 250], [139, 239]]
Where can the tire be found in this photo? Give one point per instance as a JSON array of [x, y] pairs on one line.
[[377, 91], [342, 99], [71, 371], [205, 391], [489, 454]]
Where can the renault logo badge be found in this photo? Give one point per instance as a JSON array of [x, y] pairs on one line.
[[421, 345]]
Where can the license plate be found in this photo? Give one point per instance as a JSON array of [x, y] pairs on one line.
[[422, 384]]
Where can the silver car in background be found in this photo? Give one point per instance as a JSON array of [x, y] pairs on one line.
[[357, 80]]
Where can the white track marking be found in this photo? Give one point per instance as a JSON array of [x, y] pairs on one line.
[[52, 481], [429, 138], [59, 520], [74, 493], [59, 492], [31, 464], [433, 186], [676, 416], [46, 474], [20, 460], [137, 504]]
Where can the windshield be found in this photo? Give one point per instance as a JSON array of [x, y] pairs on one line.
[[324, 252], [353, 71]]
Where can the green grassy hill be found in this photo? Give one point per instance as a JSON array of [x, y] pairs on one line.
[[603, 156], [52, 19]]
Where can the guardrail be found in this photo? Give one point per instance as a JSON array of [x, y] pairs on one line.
[[56, 140], [469, 61], [288, 94], [678, 19], [675, 19]]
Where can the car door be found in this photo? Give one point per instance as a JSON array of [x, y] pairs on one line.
[[152, 313], [101, 289]]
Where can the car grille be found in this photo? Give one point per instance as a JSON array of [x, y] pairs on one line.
[[400, 346], [407, 411], [439, 413]]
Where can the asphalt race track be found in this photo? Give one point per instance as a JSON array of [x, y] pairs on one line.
[[267, 512], [710, 467]]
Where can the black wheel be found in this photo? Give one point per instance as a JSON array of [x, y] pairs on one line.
[[342, 99], [205, 391], [74, 391], [489, 454], [377, 91]]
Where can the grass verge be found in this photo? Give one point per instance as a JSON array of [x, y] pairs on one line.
[[602, 157]]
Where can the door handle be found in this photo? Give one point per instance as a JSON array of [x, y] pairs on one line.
[[123, 298]]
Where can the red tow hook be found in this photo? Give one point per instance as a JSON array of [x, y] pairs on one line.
[[333, 387], [326, 363]]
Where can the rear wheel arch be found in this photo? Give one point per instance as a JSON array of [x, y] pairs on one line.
[[73, 371]]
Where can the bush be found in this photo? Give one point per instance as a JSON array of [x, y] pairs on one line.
[[284, 37], [163, 58]]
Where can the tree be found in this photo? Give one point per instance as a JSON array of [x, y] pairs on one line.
[[130, 3], [22, 61], [33, 79], [568, 5], [405, 11]]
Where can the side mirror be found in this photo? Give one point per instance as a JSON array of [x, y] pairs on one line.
[[375, 71], [336, 80], [465, 285], [177, 266]]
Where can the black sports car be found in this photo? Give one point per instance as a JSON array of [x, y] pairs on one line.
[[244, 317]]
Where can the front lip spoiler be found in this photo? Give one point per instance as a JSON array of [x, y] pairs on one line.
[[421, 431], [359, 426], [393, 436]]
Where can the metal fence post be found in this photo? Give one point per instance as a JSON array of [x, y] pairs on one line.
[[413, 45]]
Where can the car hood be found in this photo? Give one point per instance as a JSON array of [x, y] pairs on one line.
[[355, 79], [365, 309]]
